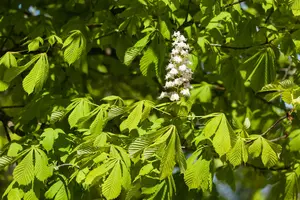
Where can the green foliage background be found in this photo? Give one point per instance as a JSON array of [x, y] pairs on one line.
[[80, 118]]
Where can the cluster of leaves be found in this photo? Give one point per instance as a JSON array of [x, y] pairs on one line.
[[79, 81]]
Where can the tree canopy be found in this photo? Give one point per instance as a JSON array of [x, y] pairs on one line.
[[149, 99]]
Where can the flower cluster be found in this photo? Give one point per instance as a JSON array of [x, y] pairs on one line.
[[178, 73]]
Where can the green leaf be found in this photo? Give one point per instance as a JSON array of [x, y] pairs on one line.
[[8, 60], [270, 153], [41, 168], [198, 174], [99, 122], [14, 149], [132, 52], [81, 109], [74, 46], [149, 61], [30, 195], [264, 69], [5, 160], [13, 72], [168, 160], [223, 134], [291, 186], [35, 44], [238, 153], [15, 194], [37, 76], [49, 136], [111, 187], [296, 7], [255, 148], [54, 39], [134, 117], [99, 171], [58, 191], [24, 171]]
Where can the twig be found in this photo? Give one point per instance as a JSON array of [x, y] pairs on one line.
[[246, 47], [8, 107], [271, 127], [234, 3], [271, 169]]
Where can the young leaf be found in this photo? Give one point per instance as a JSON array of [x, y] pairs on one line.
[[35, 44], [15, 194], [49, 136], [74, 46], [8, 60]]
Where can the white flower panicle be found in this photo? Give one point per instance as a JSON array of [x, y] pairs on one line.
[[178, 73]]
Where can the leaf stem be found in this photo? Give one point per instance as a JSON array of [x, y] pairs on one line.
[[273, 125]]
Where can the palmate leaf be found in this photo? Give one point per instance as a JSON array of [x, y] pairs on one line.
[[260, 68], [24, 171], [284, 88], [291, 186], [222, 132], [238, 153], [37, 76], [74, 46], [268, 151], [111, 187], [132, 52]]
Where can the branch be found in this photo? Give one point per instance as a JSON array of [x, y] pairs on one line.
[[15, 106], [246, 47], [234, 3], [277, 122], [269, 169], [281, 137]]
